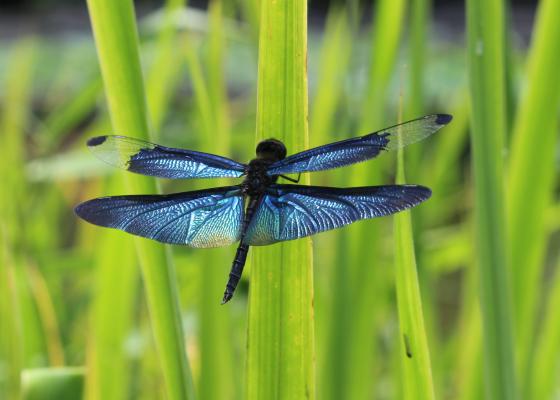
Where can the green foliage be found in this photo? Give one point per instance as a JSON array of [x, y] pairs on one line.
[[117, 47], [485, 28], [72, 293], [532, 180], [216, 358], [415, 356]]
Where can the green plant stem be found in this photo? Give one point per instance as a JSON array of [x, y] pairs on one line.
[[415, 356], [116, 39], [280, 348], [485, 25], [532, 176]]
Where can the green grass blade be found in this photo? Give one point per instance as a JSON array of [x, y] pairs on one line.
[[11, 351], [64, 383], [47, 314], [419, 19], [116, 39], [415, 356], [416, 97], [485, 26], [468, 342], [117, 274], [69, 115], [280, 352], [542, 381], [33, 337], [532, 174], [14, 121], [165, 71], [215, 62], [334, 60], [116, 284], [387, 30], [363, 273], [14, 124], [210, 92]]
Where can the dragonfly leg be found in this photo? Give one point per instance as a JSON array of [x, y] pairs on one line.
[[236, 271], [291, 179]]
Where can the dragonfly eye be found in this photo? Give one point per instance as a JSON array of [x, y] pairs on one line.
[[271, 149]]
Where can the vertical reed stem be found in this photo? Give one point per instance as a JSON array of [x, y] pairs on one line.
[[280, 359]]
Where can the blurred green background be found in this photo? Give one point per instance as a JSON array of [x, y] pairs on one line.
[[62, 281]]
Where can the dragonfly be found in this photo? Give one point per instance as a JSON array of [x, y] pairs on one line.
[[258, 211]]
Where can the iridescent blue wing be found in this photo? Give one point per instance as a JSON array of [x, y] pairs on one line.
[[351, 151], [165, 162], [291, 211], [204, 218]]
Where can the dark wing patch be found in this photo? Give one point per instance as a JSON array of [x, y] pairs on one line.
[[165, 162], [351, 151], [204, 218], [291, 211]]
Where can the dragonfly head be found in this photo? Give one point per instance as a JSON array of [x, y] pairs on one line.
[[271, 149]]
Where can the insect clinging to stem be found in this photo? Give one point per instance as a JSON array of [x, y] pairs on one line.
[[258, 211]]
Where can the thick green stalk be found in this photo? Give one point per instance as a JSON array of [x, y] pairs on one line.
[[415, 356], [532, 174], [485, 24], [280, 352], [116, 39], [117, 274]]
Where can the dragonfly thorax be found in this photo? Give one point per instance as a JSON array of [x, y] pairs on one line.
[[257, 179]]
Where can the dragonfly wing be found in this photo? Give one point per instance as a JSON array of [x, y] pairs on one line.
[[351, 151], [291, 211], [204, 218], [165, 162]]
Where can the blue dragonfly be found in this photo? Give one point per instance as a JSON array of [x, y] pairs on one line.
[[258, 211]]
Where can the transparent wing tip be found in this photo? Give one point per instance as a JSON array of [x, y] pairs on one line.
[[414, 131], [443, 119], [116, 150], [96, 141]]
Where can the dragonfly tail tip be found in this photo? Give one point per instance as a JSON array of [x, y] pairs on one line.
[[227, 297]]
